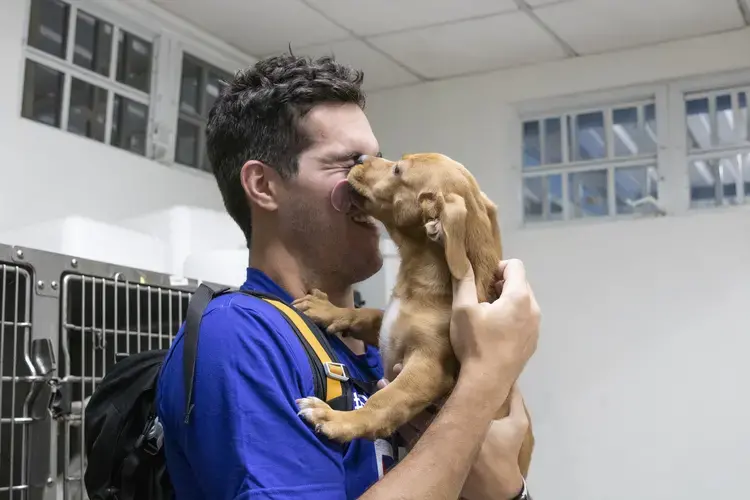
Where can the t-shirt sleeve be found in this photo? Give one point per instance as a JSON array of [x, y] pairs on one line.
[[245, 439]]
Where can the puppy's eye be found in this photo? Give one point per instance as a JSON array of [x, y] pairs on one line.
[[396, 169]]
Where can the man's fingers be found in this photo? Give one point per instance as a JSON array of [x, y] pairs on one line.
[[382, 383], [517, 407], [465, 290], [514, 277]]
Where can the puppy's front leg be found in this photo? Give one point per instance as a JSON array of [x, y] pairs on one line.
[[422, 381], [363, 324]]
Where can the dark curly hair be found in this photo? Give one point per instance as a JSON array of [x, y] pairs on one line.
[[257, 117]]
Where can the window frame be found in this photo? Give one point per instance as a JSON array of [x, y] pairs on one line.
[[672, 155], [201, 47], [680, 90], [70, 70], [170, 36], [190, 50], [576, 104]]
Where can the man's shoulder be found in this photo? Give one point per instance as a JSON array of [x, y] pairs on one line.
[[239, 332]]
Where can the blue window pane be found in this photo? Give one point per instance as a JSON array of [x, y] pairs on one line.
[[632, 139], [590, 139], [531, 145], [588, 194], [632, 186], [725, 120], [542, 198], [744, 118], [552, 141], [714, 182], [698, 123]]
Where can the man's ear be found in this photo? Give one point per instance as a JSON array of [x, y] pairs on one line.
[[450, 211], [260, 184]]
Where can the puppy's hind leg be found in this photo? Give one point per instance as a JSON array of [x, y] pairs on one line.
[[422, 381]]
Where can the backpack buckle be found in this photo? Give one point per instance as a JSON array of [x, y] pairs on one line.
[[336, 371], [152, 438]]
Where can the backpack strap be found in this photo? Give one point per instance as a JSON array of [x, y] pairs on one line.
[[331, 380], [197, 305]]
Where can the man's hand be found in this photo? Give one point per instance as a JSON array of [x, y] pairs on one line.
[[514, 322], [495, 474], [493, 341]]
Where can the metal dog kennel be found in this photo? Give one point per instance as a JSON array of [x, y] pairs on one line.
[[64, 321]]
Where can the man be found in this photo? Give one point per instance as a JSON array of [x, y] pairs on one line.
[[279, 137]]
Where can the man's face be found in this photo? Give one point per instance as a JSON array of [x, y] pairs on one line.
[[334, 247]]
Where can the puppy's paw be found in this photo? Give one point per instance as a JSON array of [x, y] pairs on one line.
[[434, 230], [319, 309], [326, 421]]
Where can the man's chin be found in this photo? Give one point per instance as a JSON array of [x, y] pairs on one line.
[[366, 268]]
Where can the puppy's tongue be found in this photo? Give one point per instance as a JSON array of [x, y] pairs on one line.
[[341, 198]]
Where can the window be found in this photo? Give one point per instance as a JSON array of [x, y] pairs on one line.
[[590, 163], [200, 85], [87, 75], [718, 147]]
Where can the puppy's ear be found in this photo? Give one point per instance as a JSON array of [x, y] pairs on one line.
[[491, 210], [450, 211]]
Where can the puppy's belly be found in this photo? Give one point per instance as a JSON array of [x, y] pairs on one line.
[[390, 316]]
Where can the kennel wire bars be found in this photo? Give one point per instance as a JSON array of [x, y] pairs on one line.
[[64, 321]]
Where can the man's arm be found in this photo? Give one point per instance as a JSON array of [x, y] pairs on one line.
[[245, 439], [439, 463], [492, 342]]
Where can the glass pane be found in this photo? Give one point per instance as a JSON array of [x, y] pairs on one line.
[[633, 185], [698, 123], [725, 120], [588, 194], [129, 125], [542, 198], [532, 156], [93, 47], [88, 110], [48, 26], [714, 182], [632, 139], [552, 141], [214, 84], [42, 94], [743, 118], [590, 142], [191, 76], [134, 61], [187, 143], [746, 176]]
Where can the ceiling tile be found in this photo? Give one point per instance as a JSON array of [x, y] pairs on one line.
[[384, 16], [258, 26], [470, 46], [539, 3], [380, 72], [595, 26]]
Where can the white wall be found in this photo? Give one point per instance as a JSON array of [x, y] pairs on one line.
[[47, 173], [639, 386]]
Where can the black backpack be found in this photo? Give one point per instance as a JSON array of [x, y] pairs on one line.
[[124, 437]]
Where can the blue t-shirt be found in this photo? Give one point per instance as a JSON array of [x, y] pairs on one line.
[[245, 439]]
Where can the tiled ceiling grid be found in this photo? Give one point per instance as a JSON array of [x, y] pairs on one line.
[[398, 42]]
